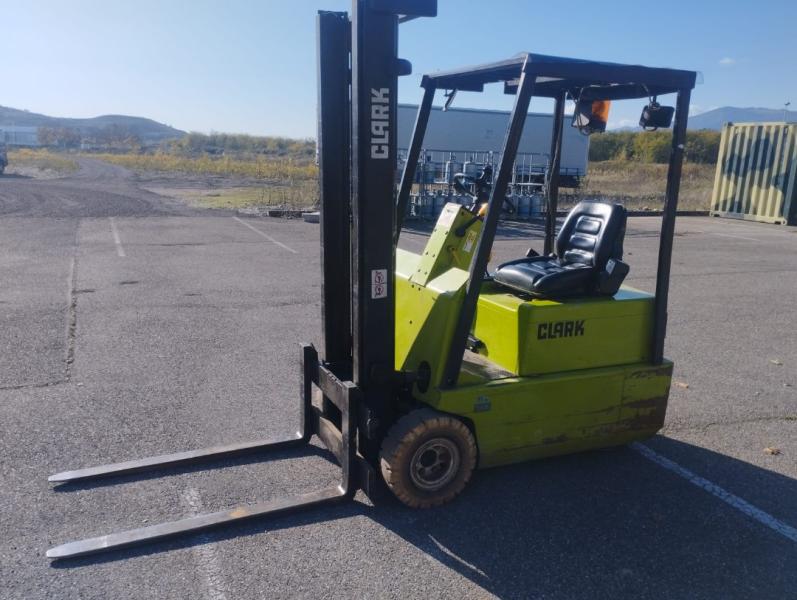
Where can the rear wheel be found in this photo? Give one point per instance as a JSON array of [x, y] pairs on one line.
[[427, 458]]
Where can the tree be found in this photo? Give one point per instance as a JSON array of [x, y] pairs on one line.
[[46, 136], [702, 146], [58, 137], [118, 137], [653, 146]]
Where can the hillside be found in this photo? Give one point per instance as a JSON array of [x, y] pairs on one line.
[[147, 130], [713, 119]]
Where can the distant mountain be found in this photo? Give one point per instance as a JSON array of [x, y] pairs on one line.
[[714, 119], [147, 130]]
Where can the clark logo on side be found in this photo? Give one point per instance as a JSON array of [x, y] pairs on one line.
[[560, 329], [380, 123]]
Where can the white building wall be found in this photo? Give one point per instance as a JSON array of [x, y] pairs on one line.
[[16, 135], [474, 130]]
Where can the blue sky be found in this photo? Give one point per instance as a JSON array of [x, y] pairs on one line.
[[249, 66]]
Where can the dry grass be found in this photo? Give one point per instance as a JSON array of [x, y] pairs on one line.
[[41, 160], [642, 185], [286, 183], [291, 183], [298, 196], [279, 170]]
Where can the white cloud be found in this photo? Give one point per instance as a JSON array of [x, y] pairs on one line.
[[622, 123], [727, 61], [699, 109]]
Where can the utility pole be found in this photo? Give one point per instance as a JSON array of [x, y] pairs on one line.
[[785, 110]]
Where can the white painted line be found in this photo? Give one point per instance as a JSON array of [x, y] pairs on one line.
[[120, 251], [439, 548], [767, 229], [738, 237], [205, 552], [265, 235], [732, 500]]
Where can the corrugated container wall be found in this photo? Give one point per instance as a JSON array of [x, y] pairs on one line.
[[756, 171]]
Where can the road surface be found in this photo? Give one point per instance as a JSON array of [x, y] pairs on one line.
[[133, 325]]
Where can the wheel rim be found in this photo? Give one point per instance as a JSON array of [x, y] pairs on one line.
[[434, 464]]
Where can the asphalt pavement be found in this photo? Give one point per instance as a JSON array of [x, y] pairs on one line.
[[133, 325]]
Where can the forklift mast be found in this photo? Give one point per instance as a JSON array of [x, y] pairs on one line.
[[357, 160]]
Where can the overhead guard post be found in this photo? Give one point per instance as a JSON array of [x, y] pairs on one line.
[[668, 225], [411, 164], [554, 166], [478, 265]]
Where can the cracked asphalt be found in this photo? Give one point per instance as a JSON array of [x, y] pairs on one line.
[[191, 339]]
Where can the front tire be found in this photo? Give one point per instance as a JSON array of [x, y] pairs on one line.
[[427, 458]]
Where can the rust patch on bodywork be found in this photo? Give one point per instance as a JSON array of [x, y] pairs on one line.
[[600, 411], [652, 420], [655, 402], [650, 414], [554, 440], [665, 371]]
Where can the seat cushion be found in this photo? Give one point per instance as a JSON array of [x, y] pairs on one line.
[[592, 233], [545, 276], [590, 237]]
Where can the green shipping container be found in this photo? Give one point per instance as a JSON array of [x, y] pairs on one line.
[[756, 171]]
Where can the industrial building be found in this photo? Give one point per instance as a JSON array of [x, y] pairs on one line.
[[464, 140], [470, 133], [18, 135]]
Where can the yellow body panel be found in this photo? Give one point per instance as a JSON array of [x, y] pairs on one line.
[[553, 377], [533, 337]]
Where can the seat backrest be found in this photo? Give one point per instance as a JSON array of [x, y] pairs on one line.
[[592, 234]]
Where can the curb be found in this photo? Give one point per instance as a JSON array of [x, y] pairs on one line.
[[564, 213], [658, 213], [284, 213], [277, 213], [315, 216]]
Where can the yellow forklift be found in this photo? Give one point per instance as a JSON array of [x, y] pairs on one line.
[[432, 366]]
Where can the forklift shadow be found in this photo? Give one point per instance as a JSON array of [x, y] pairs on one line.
[[241, 530], [610, 523], [607, 523]]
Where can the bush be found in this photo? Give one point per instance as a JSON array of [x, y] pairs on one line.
[[240, 146], [260, 168], [42, 159], [702, 146]]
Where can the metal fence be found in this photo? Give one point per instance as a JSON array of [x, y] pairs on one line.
[[756, 171], [434, 179]]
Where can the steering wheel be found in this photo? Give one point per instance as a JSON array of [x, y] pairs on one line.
[[467, 184]]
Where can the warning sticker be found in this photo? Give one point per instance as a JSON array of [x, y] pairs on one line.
[[378, 283], [448, 215], [470, 239]]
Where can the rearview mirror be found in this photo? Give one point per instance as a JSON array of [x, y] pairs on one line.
[[654, 115], [449, 99]]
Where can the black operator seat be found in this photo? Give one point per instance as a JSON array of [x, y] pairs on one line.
[[588, 259]]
